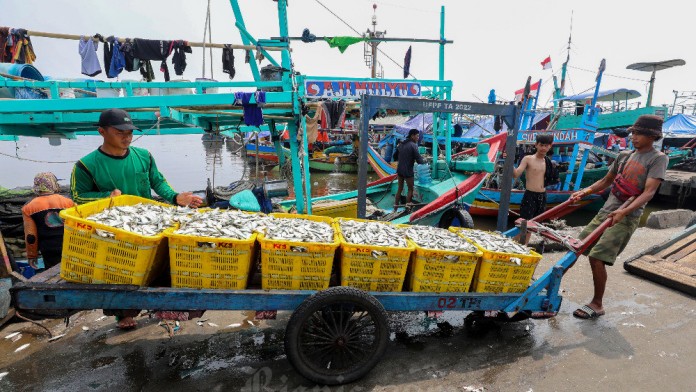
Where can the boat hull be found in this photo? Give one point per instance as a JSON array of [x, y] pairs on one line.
[[487, 201]]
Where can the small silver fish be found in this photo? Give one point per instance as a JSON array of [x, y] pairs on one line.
[[439, 239], [372, 233]]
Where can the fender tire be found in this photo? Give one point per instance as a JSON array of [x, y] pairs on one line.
[[461, 215]]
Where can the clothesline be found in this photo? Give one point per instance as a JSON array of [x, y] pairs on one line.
[[33, 33]]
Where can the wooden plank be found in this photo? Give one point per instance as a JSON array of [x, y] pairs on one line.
[[655, 273], [8, 317], [682, 253], [676, 246], [46, 275]]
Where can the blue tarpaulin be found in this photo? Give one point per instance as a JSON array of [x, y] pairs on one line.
[[680, 125], [484, 128]]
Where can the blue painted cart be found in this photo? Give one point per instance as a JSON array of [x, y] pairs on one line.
[[334, 336]]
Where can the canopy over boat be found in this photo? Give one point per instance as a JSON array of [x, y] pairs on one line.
[[605, 95]]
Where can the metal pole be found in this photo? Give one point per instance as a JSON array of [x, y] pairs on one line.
[[652, 84], [506, 186], [256, 136], [240, 21], [365, 114]]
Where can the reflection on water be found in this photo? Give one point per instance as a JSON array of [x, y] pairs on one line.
[[186, 161]]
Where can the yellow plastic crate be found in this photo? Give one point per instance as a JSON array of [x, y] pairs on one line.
[[128, 258], [337, 209], [291, 265], [373, 267], [433, 272], [498, 274], [210, 262]]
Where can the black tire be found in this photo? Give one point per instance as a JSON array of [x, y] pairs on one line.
[[350, 328], [477, 325], [459, 216]]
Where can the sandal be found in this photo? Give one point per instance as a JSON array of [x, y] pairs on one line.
[[587, 313]]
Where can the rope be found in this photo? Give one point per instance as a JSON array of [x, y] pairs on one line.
[[359, 33], [16, 156]]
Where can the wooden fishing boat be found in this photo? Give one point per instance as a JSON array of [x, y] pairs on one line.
[[333, 163], [444, 201]]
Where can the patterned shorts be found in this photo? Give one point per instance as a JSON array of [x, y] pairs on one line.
[[613, 240], [533, 204]]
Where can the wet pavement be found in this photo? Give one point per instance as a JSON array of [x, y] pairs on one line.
[[644, 343]]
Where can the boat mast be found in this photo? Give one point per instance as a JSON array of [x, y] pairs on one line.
[[374, 36], [560, 91]]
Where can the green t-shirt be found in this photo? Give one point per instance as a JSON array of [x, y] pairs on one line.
[[97, 174]]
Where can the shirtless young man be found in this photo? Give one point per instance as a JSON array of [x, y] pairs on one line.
[[534, 169]]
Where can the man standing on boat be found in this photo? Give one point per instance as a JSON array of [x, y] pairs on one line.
[[634, 174], [116, 168], [408, 155]]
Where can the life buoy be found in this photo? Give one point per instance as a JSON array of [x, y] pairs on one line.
[[456, 217]]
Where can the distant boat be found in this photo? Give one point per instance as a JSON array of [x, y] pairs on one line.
[[265, 153]]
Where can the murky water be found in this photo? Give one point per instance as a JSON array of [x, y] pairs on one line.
[[185, 160]]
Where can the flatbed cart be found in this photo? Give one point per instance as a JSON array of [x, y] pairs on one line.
[[334, 336]]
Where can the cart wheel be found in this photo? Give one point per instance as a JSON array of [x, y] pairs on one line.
[[337, 335]]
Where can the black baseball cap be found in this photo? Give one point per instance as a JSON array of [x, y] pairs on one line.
[[117, 118]]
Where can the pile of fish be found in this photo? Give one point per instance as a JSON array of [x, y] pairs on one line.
[[496, 242], [298, 230], [372, 233], [436, 238], [222, 224], [142, 218]]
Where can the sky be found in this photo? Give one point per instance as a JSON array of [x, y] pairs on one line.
[[497, 44]]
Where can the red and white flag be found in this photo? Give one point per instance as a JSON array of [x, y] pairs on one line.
[[546, 64], [532, 90]]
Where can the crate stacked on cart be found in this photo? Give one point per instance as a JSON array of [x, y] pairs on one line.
[[434, 268], [501, 271], [97, 253], [212, 258], [300, 263], [372, 265]]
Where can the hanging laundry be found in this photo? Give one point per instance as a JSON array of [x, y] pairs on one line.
[[407, 63], [253, 114], [334, 114], [146, 70], [228, 61], [118, 60], [88, 52], [22, 49], [132, 63], [259, 55], [313, 125], [180, 48], [148, 49], [342, 43], [5, 50], [247, 57]]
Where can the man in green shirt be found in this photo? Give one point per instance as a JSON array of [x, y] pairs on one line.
[[116, 168]]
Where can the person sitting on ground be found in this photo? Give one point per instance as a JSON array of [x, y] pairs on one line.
[[116, 168], [633, 174], [408, 155], [43, 227], [534, 168]]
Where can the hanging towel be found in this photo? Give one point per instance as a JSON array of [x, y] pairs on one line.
[[118, 60], [146, 70], [342, 43], [253, 114], [334, 114], [88, 52], [22, 49], [228, 61], [313, 125], [148, 49], [180, 48]]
